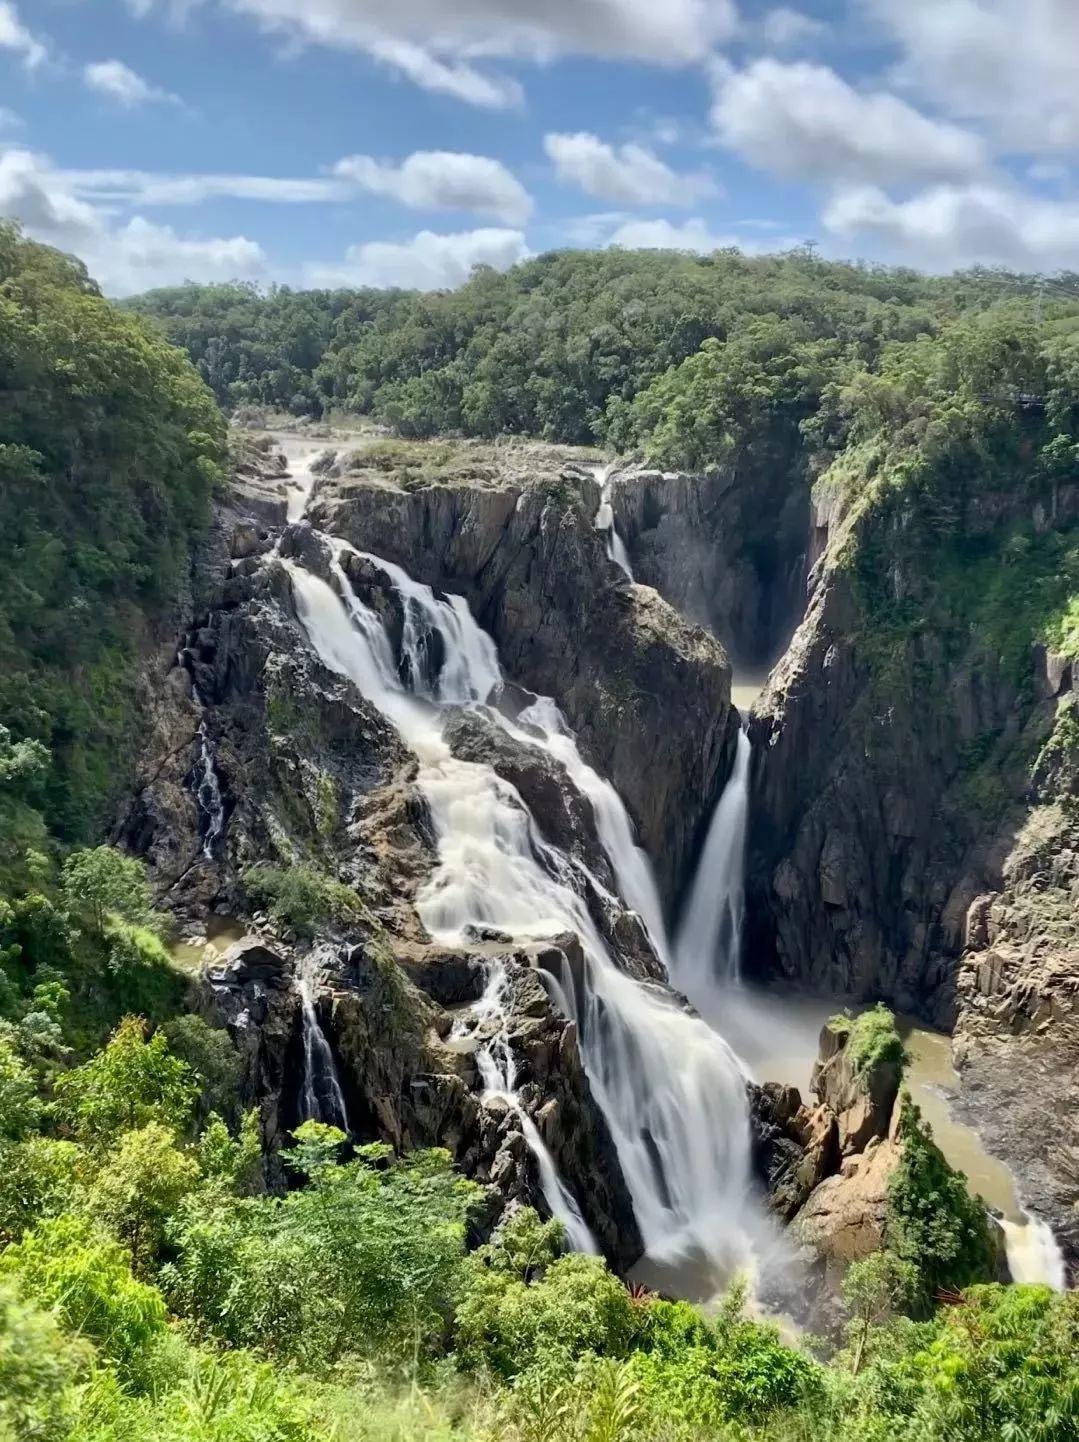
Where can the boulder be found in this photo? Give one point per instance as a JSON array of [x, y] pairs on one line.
[[862, 1098]]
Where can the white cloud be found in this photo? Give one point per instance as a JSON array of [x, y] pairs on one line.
[[443, 180], [426, 262], [665, 235], [1010, 63], [787, 29], [805, 121], [15, 36], [625, 174], [447, 47], [117, 81], [960, 225], [147, 187], [123, 258]]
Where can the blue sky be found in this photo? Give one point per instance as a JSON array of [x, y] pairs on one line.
[[401, 141]]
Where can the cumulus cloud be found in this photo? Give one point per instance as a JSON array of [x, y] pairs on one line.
[[117, 81], [625, 174], [123, 258], [959, 225], [428, 261], [448, 48], [443, 180], [804, 120], [694, 235], [787, 29], [1008, 63], [15, 36]]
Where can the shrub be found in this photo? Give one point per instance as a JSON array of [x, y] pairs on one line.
[[39, 1369], [933, 1222], [569, 1306], [872, 1038], [132, 1082], [70, 1265], [301, 898]]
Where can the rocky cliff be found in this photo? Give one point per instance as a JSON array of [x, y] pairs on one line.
[[310, 780], [645, 690], [909, 840]]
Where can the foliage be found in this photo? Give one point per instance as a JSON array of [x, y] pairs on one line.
[[365, 1258], [140, 1184], [109, 451], [301, 898], [100, 880], [872, 1038], [72, 1266], [210, 1054], [20, 1107], [933, 1222], [39, 1367], [134, 1081], [521, 1304]]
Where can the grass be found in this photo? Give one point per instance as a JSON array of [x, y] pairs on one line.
[[872, 1037]]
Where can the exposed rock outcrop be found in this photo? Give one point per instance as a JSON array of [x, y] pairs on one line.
[[727, 548], [646, 692]]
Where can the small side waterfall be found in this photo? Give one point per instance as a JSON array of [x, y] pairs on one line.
[[499, 1072], [616, 547], [208, 798], [321, 1098], [672, 1091], [707, 948], [204, 780]]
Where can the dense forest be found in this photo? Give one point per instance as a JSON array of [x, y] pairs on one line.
[[572, 346], [151, 1288]]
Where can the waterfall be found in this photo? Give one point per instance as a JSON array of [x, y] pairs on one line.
[[322, 1098], [211, 807], [205, 781], [498, 1070], [672, 1092], [616, 547], [708, 944], [1034, 1253]]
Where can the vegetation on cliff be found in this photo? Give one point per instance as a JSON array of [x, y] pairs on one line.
[[109, 451]]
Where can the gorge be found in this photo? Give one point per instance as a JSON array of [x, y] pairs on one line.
[[512, 938]]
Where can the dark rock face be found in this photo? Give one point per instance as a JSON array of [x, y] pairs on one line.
[[727, 549], [647, 693], [864, 852], [872, 873]]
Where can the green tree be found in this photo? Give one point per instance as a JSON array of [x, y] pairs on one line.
[[135, 1080], [100, 881], [139, 1186]]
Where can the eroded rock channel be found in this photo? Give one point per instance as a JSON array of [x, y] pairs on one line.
[[445, 705]]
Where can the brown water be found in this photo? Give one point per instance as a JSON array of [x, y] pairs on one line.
[[221, 933], [776, 1036]]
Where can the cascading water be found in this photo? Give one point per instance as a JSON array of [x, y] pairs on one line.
[[205, 781], [672, 1092], [208, 798], [616, 547], [498, 1069], [321, 1099], [708, 942]]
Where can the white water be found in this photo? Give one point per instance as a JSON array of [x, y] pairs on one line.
[[498, 1068], [616, 547], [672, 1092], [318, 1063], [1034, 1253], [208, 794], [707, 948]]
